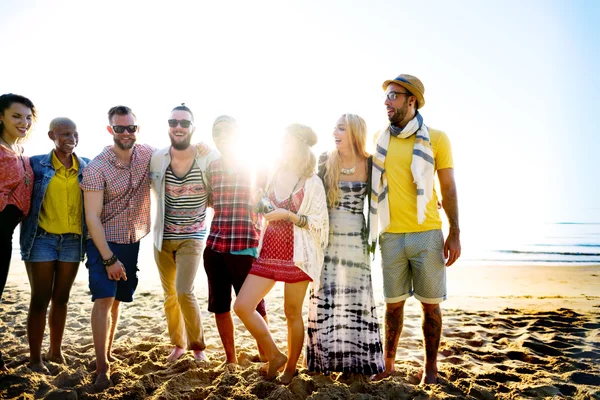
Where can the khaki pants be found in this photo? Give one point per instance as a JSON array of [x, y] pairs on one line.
[[177, 264]]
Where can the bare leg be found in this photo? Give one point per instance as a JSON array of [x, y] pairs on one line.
[[261, 353], [432, 332], [100, 328], [227, 334], [394, 322], [253, 290], [114, 320], [293, 298], [41, 278], [64, 276]]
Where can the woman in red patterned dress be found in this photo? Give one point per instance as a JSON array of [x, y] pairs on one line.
[[291, 248]]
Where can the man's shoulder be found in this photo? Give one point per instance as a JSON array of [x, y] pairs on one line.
[[436, 134], [144, 149]]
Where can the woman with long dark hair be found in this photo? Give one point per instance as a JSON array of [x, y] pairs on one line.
[[17, 115]]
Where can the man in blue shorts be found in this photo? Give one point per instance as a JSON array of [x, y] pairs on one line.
[[116, 186]]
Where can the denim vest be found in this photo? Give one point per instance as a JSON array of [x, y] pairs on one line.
[[43, 171]]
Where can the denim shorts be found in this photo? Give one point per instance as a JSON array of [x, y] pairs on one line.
[[102, 287], [51, 247]]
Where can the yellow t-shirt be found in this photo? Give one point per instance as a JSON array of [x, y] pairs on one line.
[[402, 190], [61, 208]]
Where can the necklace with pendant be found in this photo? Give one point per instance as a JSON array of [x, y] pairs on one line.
[[347, 171], [27, 180]]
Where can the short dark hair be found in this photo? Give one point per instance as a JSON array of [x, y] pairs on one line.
[[183, 107], [6, 100], [119, 110]]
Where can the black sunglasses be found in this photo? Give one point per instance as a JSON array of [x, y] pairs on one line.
[[185, 123], [121, 128]]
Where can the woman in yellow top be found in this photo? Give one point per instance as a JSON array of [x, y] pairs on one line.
[[52, 238]]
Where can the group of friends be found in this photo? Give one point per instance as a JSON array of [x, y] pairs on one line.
[[301, 222]]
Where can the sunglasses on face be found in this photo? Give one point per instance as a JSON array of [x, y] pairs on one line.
[[185, 123], [121, 128]]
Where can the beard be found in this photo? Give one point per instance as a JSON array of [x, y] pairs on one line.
[[399, 114], [182, 144], [124, 146]]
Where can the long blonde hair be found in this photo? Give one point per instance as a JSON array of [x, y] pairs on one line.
[[303, 161], [356, 128]]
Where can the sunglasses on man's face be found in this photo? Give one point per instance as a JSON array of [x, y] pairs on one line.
[[185, 123], [121, 128]]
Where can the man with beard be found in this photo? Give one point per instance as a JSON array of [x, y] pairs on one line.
[[405, 218], [116, 186], [177, 177]]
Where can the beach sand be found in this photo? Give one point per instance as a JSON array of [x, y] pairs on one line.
[[509, 332]]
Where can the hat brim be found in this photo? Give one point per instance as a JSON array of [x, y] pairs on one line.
[[409, 87]]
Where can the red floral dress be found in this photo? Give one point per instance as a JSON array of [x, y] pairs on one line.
[[276, 258]]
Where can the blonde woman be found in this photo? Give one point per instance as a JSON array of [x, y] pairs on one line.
[[290, 249], [343, 332]]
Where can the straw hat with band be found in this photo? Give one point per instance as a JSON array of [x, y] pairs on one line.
[[410, 83]]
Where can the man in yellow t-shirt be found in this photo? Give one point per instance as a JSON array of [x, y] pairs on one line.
[[413, 251]]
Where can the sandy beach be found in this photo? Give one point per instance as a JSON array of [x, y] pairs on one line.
[[510, 332]]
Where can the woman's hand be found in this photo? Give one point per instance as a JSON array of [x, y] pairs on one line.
[[277, 214]]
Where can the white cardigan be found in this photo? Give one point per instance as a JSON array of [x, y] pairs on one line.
[[309, 241]]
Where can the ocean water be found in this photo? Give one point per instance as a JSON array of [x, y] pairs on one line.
[[558, 242]]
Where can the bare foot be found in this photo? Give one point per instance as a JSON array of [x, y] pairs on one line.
[[57, 359], [382, 375], [199, 356], [229, 367], [110, 357], [287, 377], [40, 368], [175, 354], [279, 361], [102, 381], [429, 378]]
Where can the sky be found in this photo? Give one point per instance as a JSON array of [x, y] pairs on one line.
[[514, 84]]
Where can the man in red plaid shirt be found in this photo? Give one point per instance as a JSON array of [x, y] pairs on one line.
[[232, 244], [116, 186]]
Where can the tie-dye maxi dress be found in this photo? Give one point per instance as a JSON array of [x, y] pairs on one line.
[[343, 332]]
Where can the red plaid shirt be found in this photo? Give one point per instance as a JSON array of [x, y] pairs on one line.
[[126, 207], [233, 225]]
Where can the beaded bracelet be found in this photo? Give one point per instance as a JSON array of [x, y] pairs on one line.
[[110, 261], [302, 222]]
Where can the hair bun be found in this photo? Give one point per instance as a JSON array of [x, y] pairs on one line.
[[304, 133]]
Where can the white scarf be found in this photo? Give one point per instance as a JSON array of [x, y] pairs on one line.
[[422, 168]]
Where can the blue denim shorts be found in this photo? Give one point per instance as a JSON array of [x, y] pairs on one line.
[[102, 287], [50, 247]]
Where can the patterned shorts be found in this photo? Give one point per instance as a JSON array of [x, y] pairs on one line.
[[413, 264]]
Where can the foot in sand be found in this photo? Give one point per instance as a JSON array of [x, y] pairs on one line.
[[229, 367], [40, 368], [57, 359], [175, 354], [199, 356], [279, 361], [110, 357], [429, 378], [382, 375], [102, 381], [287, 377]]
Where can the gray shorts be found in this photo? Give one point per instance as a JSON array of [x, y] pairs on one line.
[[413, 264]]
